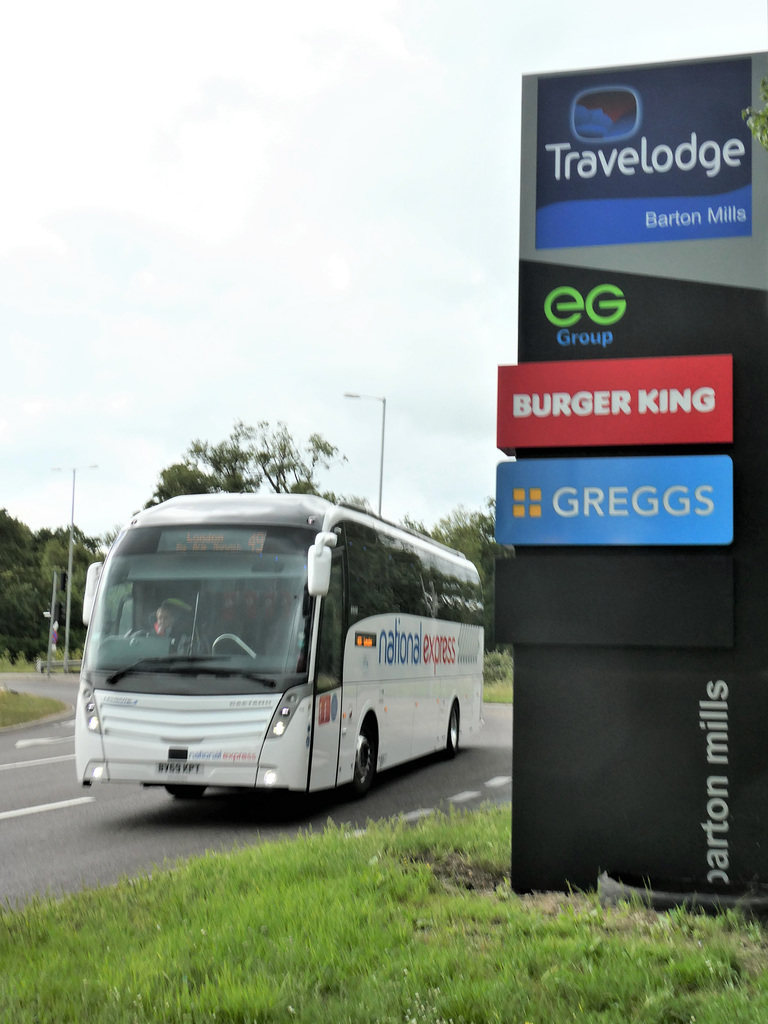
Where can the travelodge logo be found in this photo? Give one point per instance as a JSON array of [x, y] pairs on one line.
[[605, 113], [642, 159], [677, 500]]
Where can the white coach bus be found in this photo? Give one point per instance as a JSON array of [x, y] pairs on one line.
[[278, 642]]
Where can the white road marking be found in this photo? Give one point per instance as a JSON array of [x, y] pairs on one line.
[[499, 780], [44, 741], [462, 798], [34, 764], [422, 812], [40, 808]]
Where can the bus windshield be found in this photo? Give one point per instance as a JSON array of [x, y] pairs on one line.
[[227, 598]]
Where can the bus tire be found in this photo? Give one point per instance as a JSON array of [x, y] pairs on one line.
[[366, 755], [186, 792], [452, 737]]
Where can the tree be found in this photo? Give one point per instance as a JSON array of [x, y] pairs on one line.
[[182, 478], [473, 533], [27, 562], [288, 468], [757, 120], [248, 458], [21, 603], [108, 538], [53, 555], [232, 462]]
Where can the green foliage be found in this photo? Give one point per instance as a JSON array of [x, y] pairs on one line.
[[182, 478], [27, 563], [498, 677], [286, 466], [244, 461], [498, 667], [757, 120]]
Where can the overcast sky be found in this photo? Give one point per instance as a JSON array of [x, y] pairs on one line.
[[242, 210]]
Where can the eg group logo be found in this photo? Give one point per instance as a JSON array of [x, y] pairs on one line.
[[654, 500], [604, 305]]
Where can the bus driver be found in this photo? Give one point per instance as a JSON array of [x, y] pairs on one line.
[[167, 614]]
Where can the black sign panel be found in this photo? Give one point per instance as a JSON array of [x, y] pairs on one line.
[[659, 316], [614, 599]]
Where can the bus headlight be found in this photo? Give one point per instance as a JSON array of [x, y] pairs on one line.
[[91, 712], [283, 714]]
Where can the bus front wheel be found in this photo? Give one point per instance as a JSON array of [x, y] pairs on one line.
[[452, 738], [366, 755], [186, 792]]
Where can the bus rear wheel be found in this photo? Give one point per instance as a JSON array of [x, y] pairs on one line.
[[452, 737], [366, 755]]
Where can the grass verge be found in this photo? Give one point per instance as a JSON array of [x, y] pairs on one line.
[[17, 664], [498, 693], [400, 924], [18, 708]]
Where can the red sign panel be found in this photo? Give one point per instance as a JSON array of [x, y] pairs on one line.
[[597, 402], [324, 710]]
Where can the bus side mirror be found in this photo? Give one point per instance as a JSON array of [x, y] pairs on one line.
[[91, 586], [319, 564]]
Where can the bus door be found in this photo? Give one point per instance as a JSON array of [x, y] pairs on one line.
[[327, 711]]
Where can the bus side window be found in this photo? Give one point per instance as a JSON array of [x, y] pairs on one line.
[[329, 647]]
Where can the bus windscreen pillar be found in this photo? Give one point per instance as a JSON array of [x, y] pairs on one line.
[[635, 488]]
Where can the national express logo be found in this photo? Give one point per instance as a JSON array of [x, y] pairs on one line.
[[399, 646], [644, 159]]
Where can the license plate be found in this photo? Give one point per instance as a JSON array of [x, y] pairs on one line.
[[178, 768]]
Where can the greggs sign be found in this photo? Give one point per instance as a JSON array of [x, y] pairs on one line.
[[591, 403], [663, 500]]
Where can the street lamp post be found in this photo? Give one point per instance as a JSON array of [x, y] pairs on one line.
[[376, 398], [69, 561]]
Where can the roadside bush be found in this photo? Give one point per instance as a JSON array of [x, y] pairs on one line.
[[498, 676], [498, 667]]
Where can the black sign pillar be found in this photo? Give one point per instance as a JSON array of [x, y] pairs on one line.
[[641, 659]]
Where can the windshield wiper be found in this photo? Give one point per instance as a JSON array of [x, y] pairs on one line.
[[190, 665], [218, 670]]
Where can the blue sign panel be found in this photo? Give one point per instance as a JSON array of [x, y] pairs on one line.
[[644, 155], [677, 500]]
